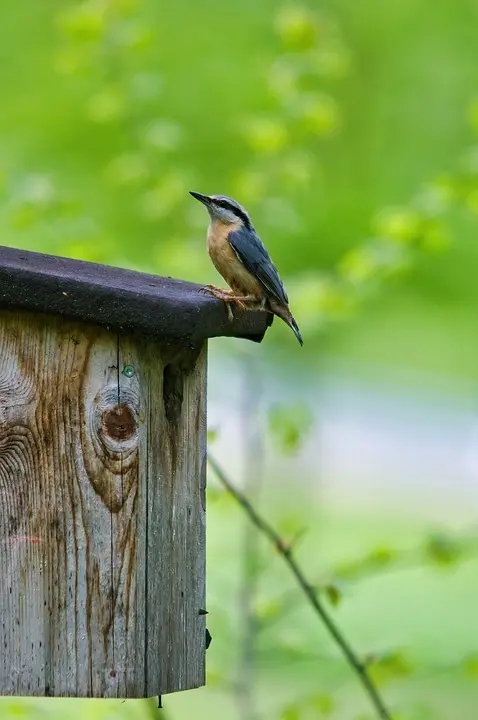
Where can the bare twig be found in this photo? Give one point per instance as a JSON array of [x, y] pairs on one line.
[[285, 551]]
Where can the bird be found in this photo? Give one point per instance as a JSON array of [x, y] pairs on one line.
[[240, 256]]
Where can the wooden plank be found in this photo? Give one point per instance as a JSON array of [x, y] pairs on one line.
[[173, 622], [102, 472], [122, 300]]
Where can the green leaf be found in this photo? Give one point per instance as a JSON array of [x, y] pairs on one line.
[[297, 27], [470, 665], [290, 524], [333, 593], [443, 550], [84, 21], [387, 666], [381, 557], [402, 224], [291, 712], [289, 425], [212, 434], [322, 703], [377, 559]]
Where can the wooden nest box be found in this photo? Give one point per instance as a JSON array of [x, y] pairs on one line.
[[102, 477]]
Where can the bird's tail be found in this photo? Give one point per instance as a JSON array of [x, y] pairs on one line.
[[285, 314]]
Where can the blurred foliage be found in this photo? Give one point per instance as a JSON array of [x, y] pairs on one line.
[[311, 707], [129, 115], [72, 709], [282, 641], [324, 122], [289, 425]]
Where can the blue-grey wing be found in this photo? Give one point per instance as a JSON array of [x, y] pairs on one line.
[[251, 252]]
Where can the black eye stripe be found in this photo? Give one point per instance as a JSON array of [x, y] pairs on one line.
[[228, 206]]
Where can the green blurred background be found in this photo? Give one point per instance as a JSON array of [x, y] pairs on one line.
[[348, 130]]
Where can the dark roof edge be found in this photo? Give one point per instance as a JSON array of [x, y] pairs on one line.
[[124, 301]]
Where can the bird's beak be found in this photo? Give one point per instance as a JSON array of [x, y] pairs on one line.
[[205, 199]]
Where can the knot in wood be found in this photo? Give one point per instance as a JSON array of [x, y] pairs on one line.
[[110, 442], [119, 422], [113, 425]]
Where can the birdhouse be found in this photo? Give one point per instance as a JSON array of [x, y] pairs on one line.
[[102, 477]]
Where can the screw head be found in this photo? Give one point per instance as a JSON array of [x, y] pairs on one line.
[[128, 371]]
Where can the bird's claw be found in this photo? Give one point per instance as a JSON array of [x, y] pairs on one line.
[[226, 297]]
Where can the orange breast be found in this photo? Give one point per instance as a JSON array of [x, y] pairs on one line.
[[228, 264]]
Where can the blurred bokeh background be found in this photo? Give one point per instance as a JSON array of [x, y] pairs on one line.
[[349, 131]]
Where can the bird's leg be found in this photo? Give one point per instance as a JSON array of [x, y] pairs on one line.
[[209, 288], [228, 296], [224, 295], [241, 300], [217, 292], [257, 304]]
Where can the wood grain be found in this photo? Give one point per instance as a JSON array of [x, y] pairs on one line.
[[102, 516]]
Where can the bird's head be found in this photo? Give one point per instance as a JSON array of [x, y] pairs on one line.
[[223, 209]]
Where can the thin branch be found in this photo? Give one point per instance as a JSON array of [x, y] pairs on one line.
[[285, 552]]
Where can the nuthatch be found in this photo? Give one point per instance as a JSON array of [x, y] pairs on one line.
[[241, 258]]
